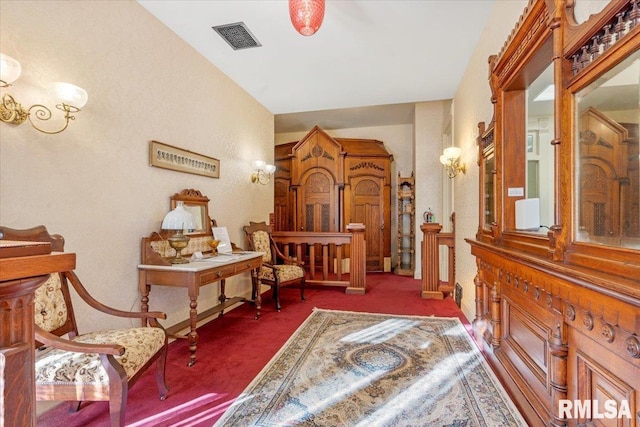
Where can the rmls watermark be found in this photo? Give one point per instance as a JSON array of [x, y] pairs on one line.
[[593, 409]]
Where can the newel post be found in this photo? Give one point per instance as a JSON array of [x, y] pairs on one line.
[[357, 274], [430, 261]]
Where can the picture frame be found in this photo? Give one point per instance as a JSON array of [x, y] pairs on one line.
[[167, 156], [532, 142]]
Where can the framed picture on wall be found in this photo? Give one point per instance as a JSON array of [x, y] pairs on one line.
[[532, 142], [167, 156]]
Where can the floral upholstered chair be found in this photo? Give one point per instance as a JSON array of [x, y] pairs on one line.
[[99, 365], [277, 270]]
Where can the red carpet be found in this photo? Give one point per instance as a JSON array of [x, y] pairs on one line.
[[233, 349]]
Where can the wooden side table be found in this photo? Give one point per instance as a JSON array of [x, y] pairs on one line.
[[194, 275]]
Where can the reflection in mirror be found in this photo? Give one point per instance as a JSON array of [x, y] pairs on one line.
[[607, 179], [539, 151], [198, 204]]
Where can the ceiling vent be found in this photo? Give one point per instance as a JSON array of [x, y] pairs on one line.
[[237, 35]]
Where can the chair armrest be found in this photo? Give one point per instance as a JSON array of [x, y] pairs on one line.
[[286, 259], [84, 294], [79, 347]]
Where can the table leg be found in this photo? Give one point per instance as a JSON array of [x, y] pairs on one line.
[[144, 294], [255, 290], [192, 338], [222, 298]]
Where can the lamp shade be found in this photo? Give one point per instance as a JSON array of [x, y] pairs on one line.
[[10, 69], [69, 94], [306, 15], [452, 152], [258, 164], [178, 219], [269, 169]]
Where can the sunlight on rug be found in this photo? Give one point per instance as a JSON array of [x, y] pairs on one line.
[[345, 368]]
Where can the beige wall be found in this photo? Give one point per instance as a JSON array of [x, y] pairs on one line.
[[93, 183]]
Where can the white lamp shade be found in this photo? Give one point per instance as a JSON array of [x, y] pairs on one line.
[[178, 219], [258, 164], [443, 159], [69, 94], [452, 152], [10, 69], [269, 169]]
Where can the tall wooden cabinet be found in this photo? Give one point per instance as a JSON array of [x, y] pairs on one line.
[[558, 309], [323, 183], [406, 241]]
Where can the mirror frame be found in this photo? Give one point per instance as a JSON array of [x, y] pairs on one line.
[[582, 69], [548, 30], [194, 198]]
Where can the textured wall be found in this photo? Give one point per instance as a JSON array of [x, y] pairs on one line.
[[93, 183]]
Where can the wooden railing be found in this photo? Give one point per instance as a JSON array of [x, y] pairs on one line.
[[332, 246], [432, 286]]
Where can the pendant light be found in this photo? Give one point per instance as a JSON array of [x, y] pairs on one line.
[[306, 15]]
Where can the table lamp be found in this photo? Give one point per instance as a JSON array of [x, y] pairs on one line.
[[178, 219]]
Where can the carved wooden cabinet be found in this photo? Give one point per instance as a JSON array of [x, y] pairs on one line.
[[323, 183], [558, 308], [406, 240]]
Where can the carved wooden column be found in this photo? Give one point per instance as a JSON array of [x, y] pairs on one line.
[[430, 261], [357, 275]]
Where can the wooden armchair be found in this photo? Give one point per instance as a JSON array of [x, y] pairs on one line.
[[274, 273], [99, 365]]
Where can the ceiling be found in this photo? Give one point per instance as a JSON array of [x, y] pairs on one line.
[[369, 62]]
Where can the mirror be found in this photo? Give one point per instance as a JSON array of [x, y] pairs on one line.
[[198, 204], [607, 179], [539, 152]]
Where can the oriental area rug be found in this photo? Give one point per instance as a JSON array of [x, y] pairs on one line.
[[344, 368]]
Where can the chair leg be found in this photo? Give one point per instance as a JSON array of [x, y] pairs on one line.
[[161, 364], [75, 406], [302, 290], [276, 296], [118, 389]]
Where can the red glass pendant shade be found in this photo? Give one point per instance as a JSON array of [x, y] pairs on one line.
[[306, 15]]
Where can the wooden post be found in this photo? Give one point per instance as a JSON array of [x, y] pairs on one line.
[[430, 261], [357, 275]]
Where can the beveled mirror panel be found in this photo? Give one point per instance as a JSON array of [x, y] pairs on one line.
[[538, 149], [607, 178]]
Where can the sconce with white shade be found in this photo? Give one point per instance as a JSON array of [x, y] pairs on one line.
[[450, 159], [71, 99], [179, 220], [263, 172]]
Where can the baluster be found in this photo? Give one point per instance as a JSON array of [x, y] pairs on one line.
[[634, 16], [606, 38], [575, 66], [584, 58], [619, 27], [594, 50]]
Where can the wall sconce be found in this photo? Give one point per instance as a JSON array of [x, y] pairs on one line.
[[263, 172], [71, 99], [449, 159]]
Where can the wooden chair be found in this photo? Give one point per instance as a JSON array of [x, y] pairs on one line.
[[274, 273], [99, 365]]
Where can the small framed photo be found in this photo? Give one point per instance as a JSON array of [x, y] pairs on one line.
[[532, 142]]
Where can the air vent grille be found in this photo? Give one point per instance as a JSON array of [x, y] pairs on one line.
[[237, 35]]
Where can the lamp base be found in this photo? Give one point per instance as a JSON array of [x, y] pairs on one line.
[[178, 242]]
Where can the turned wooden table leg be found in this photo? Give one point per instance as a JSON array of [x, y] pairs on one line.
[[192, 338]]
